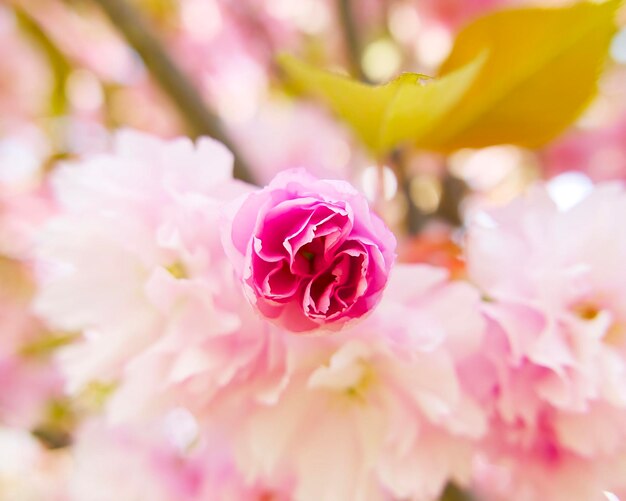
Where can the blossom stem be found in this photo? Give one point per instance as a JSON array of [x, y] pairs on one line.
[[414, 218], [170, 77], [351, 38], [379, 198]]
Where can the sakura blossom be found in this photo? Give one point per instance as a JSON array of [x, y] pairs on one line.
[[310, 252], [125, 456], [147, 224], [555, 350], [387, 405], [30, 383], [338, 250]]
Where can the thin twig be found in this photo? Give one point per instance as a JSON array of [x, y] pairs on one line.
[[414, 217], [351, 38], [170, 77]]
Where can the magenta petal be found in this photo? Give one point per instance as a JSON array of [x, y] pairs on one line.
[[324, 220], [310, 259], [318, 294], [314, 252], [280, 282], [282, 226]]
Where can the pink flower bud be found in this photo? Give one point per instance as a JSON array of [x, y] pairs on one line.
[[310, 252]]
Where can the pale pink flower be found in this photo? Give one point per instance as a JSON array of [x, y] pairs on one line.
[[29, 387], [134, 263], [554, 360], [24, 74], [25, 203], [131, 223], [28, 471], [317, 144], [197, 358], [27, 377], [455, 13], [598, 153], [102, 52], [375, 411], [310, 252], [132, 463]]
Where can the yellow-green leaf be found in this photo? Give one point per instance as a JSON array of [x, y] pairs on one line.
[[541, 71], [385, 115], [416, 109]]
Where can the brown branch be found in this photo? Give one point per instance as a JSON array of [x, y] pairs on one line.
[[351, 38], [170, 77]]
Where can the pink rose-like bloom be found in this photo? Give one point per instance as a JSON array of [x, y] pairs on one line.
[[310, 252], [131, 463], [555, 347]]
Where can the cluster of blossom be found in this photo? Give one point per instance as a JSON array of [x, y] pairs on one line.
[[170, 333], [264, 344]]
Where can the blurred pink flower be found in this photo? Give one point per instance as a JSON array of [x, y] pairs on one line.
[[310, 252], [375, 411], [25, 202], [134, 262], [272, 143], [28, 471], [454, 13], [128, 219], [24, 75], [101, 51], [212, 343], [556, 350], [27, 375], [28, 378], [599, 153], [143, 463], [29, 386], [134, 464]]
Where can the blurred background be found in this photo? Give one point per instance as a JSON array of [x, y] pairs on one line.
[[72, 70]]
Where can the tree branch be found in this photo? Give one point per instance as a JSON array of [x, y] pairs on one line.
[[170, 77], [351, 38]]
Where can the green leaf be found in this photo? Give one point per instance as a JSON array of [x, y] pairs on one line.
[[518, 76], [541, 71], [385, 115], [416, 109]]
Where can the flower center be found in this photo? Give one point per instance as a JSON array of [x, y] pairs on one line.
[[615, 334], [335, 289]]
